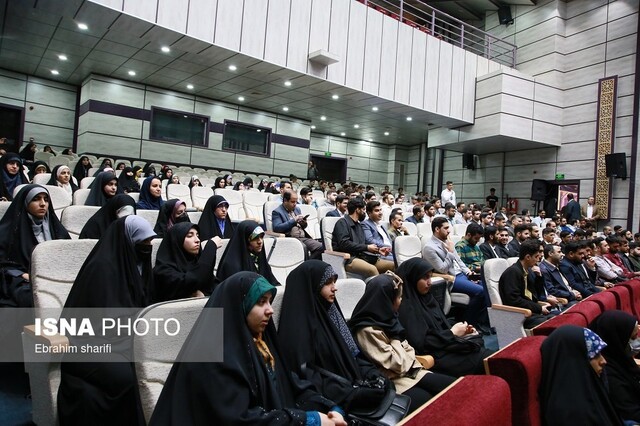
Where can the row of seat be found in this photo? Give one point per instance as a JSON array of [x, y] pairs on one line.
[[520, 363]]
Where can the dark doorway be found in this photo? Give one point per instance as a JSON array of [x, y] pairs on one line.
[[11, 119], [556, 195], [331, 169]]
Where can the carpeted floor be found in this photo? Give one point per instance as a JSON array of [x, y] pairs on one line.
[[15, 402]]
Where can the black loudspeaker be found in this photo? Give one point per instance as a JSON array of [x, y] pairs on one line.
[[468, 161], [538, 190], [504, 14], [616, 165]]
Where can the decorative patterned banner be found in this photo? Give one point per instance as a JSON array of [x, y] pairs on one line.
[[605, 135]]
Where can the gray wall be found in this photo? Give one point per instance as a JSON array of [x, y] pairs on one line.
[[49, 108]]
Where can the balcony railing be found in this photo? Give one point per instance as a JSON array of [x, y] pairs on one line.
[[423, 17]]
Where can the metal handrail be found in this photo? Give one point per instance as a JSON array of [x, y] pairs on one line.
[[425, 18]]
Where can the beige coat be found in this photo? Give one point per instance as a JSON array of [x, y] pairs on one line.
[[394, 358]]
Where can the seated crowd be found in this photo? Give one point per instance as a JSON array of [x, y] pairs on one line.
[[317, 367]]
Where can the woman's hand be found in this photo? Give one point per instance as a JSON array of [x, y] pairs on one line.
[[336, 418], [217, 241], [25, 277], [460, 329]]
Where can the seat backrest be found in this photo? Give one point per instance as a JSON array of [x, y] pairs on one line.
[[412, 228], [253, 203], [424, 230], [606, 300], [287, 254], [520, 364], [42, 156], [182, 192], [200, 195], [493, 268], [350, 290], [276, 305], [460, 229], [58, 160], [512, 260], [590, 310], [4, 205], [234, 198], [80, 196], [405, 247], [150, 216], [194, 217], [85, 182], [326, 226], [75, 217], [42, 178], [60, 198], [313, 226], [219, 253], [323, 210], [154, 356], [268, 209], [54, 267]]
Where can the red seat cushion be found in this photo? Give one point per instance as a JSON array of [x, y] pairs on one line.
[[634, 289], [548, 326], [520, 364], [623, 299], [590, 310], [472, 400], [606, 300]]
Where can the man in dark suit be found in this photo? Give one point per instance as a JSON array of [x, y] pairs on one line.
[[572, 210], [519, 291], [491, 248], [418, 214], [287, 219], [574, 271], [556, 283], [522, 232], [341, 207]]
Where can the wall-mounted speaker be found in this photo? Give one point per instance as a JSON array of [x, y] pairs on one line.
[[504, 14], [538, 190], [469, 161], [616, 165]]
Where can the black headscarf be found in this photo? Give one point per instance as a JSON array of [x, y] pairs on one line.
[[97, 196], [570, 390], [33, 166], [80, 171], [615, 328], [126, 183], [54, 178], [110, 276], [208, 223], [314, 331], [375, 308], [240, 390], [248, 183], [148, 201], [216, 184], [100, 221], [429, 330], [106, 164], [27, 153], [165, 217], [237, 258], [178, 274], [9, 182], [192, 183], [17, 239]]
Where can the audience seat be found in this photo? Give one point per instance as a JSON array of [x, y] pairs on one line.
[[634, 292], [323, 210], [75, 217], [57, 161], [520, 365], [54, 266], [268, 209], [313, 225], [460, 229], [181, 192], [219, 253], [253, 203], [287, 254], [80, 196], [349, 292], [85, 182], [406, 247], [606, 300], [4, 205], [470, 400], [623, 299], [552, 323], [276, 305], [335, 258], [424, 231], [42, 178], [588, 309], [42, 156], [150, 216], [508, 320], [60, 198], [234, 198], [155, 357], [412, 228], [200, 195]]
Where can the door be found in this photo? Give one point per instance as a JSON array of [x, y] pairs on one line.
[[331, 169]]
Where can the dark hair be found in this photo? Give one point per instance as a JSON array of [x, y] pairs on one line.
[[548, 249], [354, 204], [546, 231], [305, 191], [579, 233], [286, 195], [417, 208], [448, 182], [474, 229], [340, 198], [489, 231], [529, 247], [394, 214], [633, 245], [459, 203], [569, 196], [564, 233], [572, 247], [614, 240], [371, 205], [437, 222], [284, 182], [520, 228], [449, 206], [369, 195]]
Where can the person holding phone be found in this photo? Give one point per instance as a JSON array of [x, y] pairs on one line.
[[287, 219]]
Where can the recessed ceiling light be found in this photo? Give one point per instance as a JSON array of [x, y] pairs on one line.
[[62, 57], [287, 83], [285, 109], [335, 97], [258, 130], [386, 133], [409, 118], [190, 86], [132, 73], [323, 118], [83, 27], [374, 109], [313, 127], [165, 49], [54, 72], [232, 68], [343, 134], [241, 98], [370, 140], [356, 126]]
